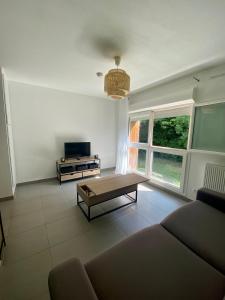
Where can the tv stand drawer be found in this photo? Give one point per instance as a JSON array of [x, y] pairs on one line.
[[71, 176], [91, 172]]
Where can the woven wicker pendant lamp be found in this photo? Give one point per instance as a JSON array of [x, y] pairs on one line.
[[117, 82]]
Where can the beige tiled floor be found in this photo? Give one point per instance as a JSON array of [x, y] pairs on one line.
[[44, 227]]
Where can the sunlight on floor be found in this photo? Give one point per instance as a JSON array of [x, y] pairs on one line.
[[144, 188]]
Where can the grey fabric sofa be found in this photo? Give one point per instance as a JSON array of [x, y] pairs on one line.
[[181, 258]]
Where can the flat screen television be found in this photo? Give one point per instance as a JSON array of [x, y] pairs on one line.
[[77, 149]]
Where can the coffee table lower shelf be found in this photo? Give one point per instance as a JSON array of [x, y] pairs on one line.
[[88, 214]]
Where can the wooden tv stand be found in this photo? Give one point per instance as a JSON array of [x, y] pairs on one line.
[[75, 168]]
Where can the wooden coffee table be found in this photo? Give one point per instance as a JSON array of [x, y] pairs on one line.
[[95, 191]]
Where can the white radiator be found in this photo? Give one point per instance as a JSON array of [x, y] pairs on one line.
[[214, 178]]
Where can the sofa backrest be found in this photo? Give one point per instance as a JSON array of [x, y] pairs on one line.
[[200, 227], [212, 198]]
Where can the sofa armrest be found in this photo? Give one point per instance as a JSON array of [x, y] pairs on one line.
[[69, 281], [215, 199]]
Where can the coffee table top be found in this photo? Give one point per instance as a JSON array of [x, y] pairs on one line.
[[110, 183]]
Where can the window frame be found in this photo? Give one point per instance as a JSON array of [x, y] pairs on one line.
[[150, 148], [183, 154], [145, 146]]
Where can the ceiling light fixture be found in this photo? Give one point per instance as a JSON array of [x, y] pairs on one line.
[[117, 82]]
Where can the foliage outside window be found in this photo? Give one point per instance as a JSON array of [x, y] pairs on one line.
[[167, 167], [171, 132]]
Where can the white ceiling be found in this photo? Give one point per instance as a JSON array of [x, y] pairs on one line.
[[63, 43]]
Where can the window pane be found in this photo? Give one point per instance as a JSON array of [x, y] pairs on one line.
[[167, 168], [209, 127], [143, 133], [139, 131], [141, 165], [137, 159], [133, 154], [171, 132]]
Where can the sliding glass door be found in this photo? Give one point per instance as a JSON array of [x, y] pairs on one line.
[[169, 147], [158, 145]]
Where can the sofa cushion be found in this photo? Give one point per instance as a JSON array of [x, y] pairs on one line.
[[152, 264], [202, 228], [69, 281]]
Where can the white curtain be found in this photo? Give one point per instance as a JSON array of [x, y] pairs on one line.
[[122, 137]]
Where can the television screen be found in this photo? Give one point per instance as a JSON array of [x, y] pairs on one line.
[[77, 149]]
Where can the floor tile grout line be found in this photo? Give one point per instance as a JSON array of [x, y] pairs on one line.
[[14, 235], [63, 217], [10, 264], [49, 245], [23, 231], [111, 223], [143, 216], [72, 237], [80, 234], [25, 213], [66, 217]]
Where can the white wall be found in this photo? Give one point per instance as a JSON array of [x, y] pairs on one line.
[[5, 164], [197, 169], [212, 85], [10, 134], [211, 88], [43, 119]]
